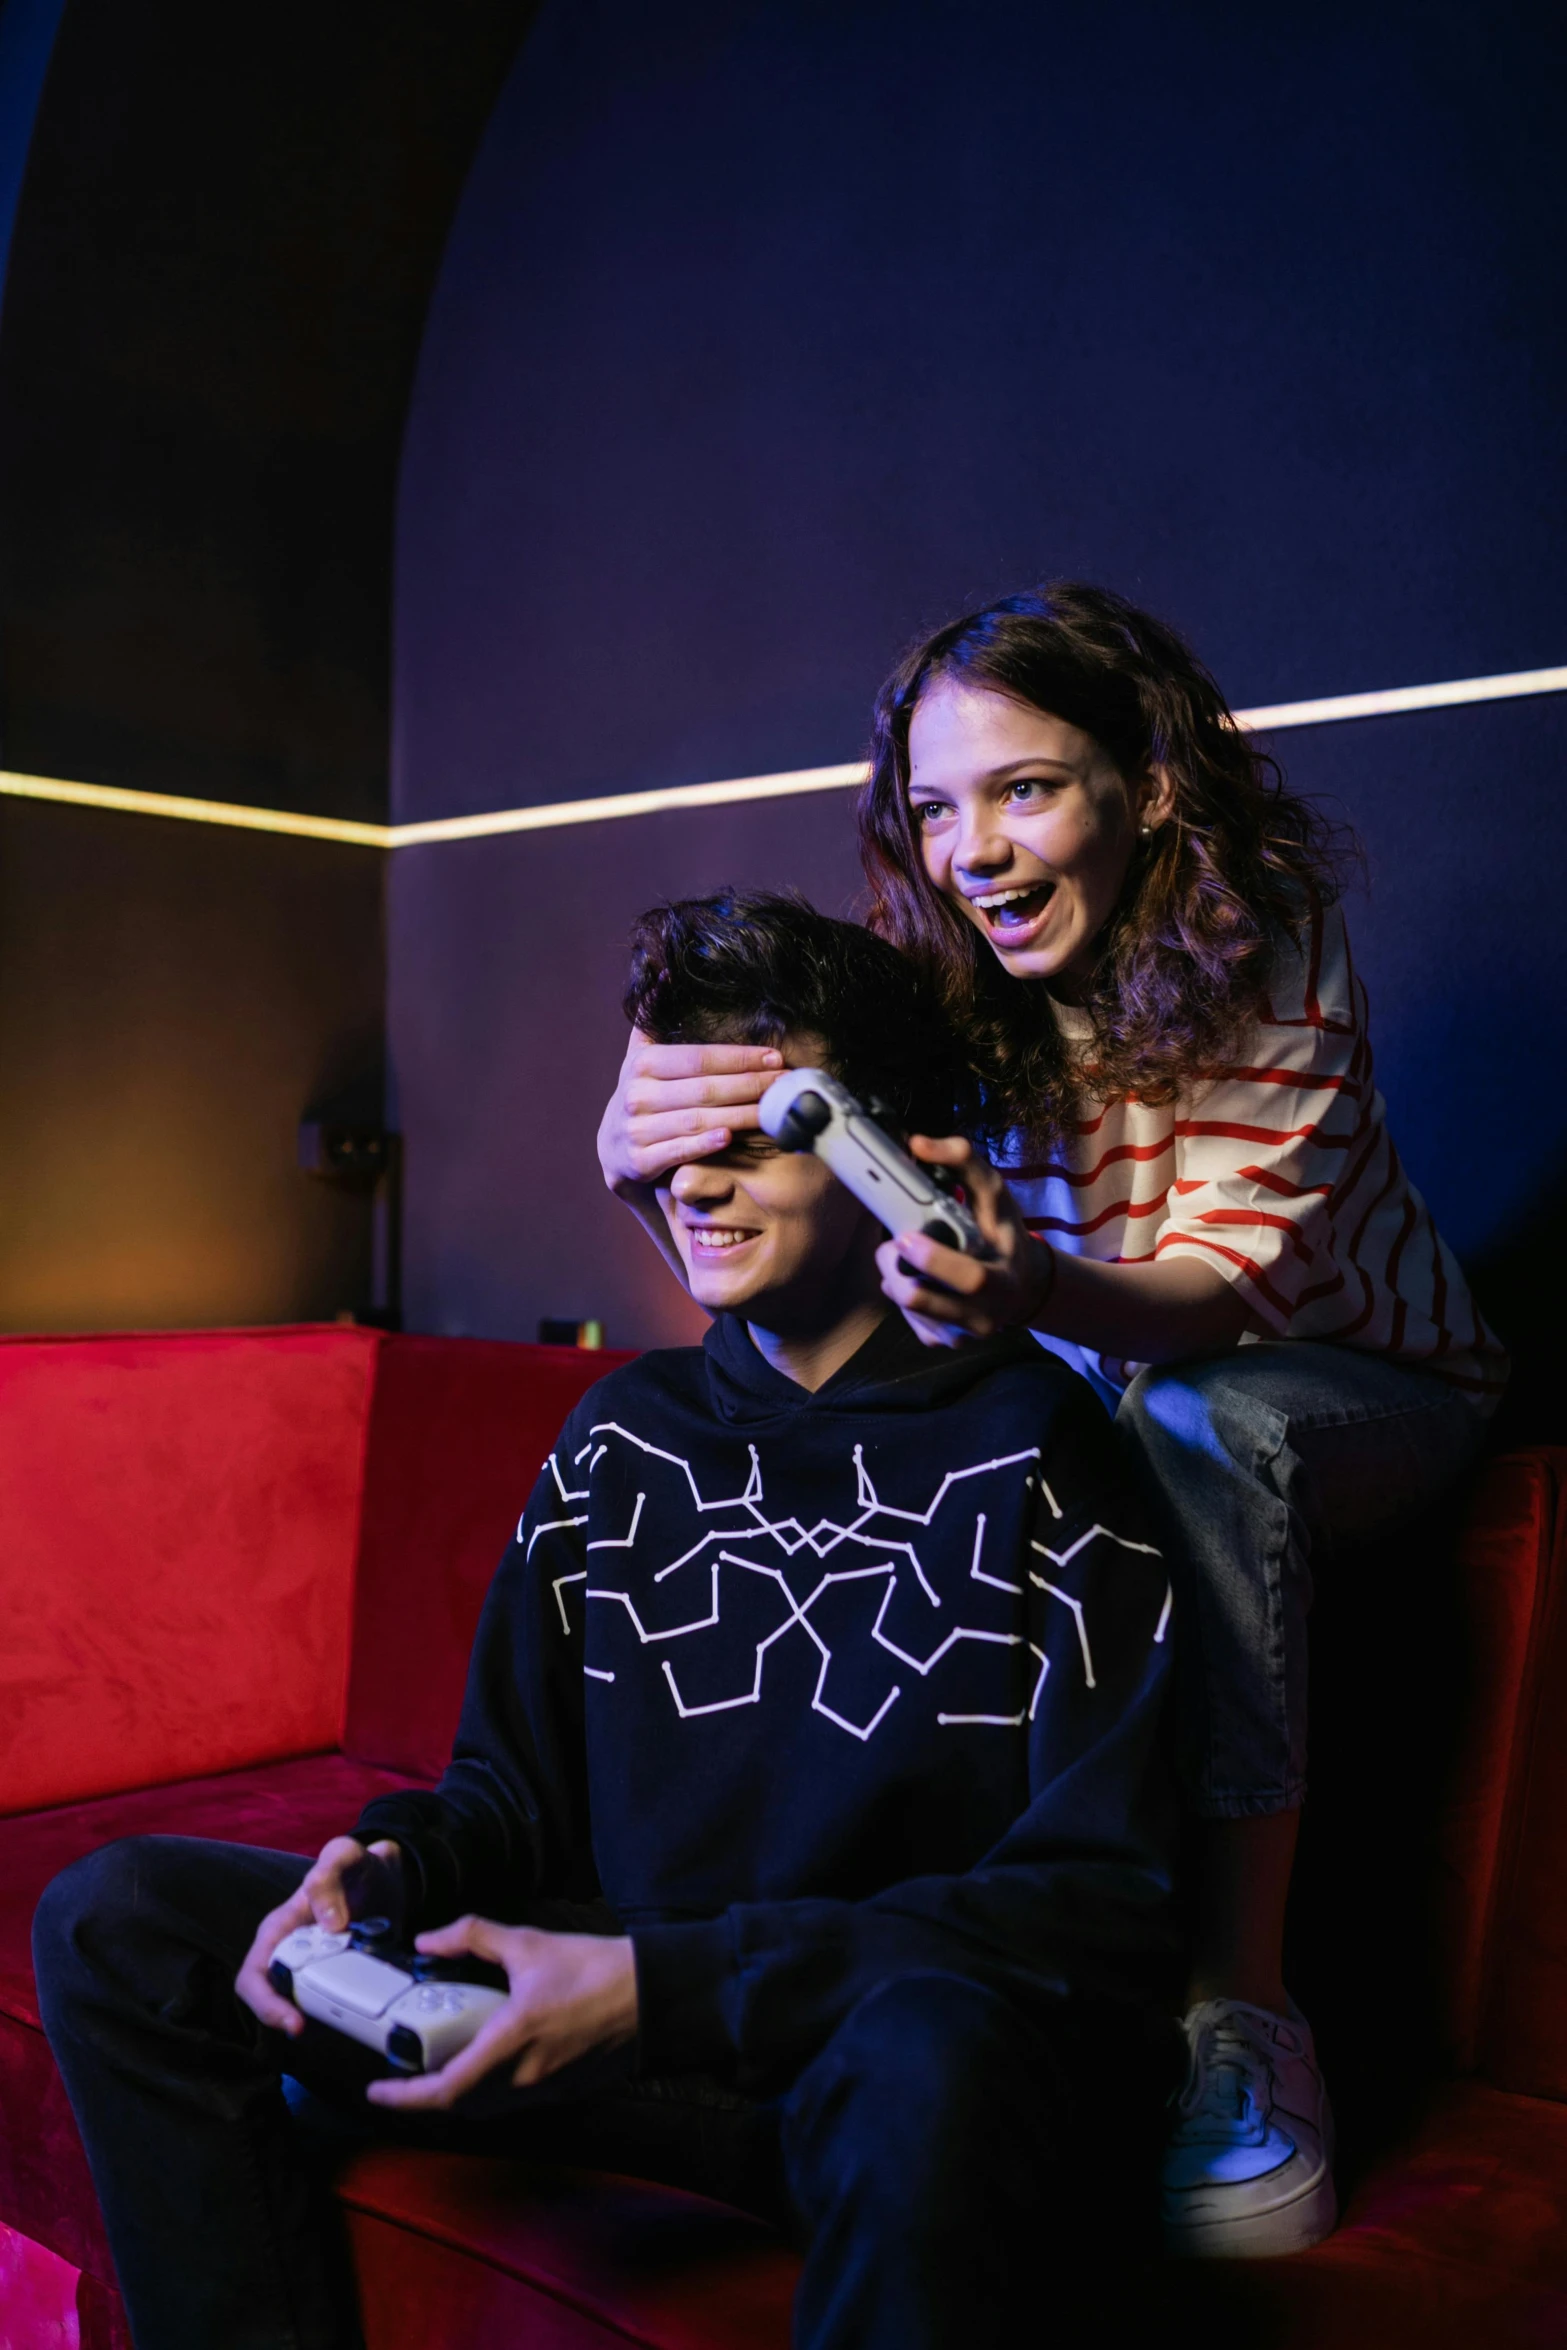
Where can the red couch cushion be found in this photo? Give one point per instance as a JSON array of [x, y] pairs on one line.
[[45, 2190], [459, 2252], [1523, 2042], [37, 2294], [180, 1519], [1421, 1653], [178, 1523], [1509, 1550], [460, 1429]]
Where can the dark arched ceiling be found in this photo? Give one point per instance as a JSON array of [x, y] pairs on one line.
[[230, 224]]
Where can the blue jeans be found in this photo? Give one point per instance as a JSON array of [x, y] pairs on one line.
[[1256, 1462]]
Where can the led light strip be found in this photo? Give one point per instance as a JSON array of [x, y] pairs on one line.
[[630, 803], [1271, 718], [153, 803]]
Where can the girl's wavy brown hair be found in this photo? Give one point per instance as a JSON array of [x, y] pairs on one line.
[[1186, 955]]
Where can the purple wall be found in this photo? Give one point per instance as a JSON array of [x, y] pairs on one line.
[[761, 345]]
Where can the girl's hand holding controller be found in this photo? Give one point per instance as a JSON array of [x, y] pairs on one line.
[[567, 1995], [323, 1899], [947, 1296]]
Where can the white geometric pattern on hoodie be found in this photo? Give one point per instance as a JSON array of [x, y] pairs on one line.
[[751, 1552]]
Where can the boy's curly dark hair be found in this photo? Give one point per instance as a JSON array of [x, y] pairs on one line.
[[1186, 956], [755, 966]]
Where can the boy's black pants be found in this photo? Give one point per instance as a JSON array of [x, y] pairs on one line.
[[948, 2163]]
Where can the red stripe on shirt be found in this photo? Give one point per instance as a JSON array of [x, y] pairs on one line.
[[1120, 1207], [1244, 1076], [1053, 1172], [1282, 1187], [1231, 1130], [1250, 1218], [1248, 1265], [1318, 1291]]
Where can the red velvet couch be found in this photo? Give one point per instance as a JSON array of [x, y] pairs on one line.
[[239, 1573]]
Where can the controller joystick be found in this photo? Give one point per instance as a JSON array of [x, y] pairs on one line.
[[807, 1117], [805, 1109]]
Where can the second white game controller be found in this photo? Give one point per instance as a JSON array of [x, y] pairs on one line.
[[392, 2001], [806, 1110]]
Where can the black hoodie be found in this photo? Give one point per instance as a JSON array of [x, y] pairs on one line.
[[819, 1689]]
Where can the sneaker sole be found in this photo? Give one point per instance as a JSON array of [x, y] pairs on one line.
[[1292, 2226]]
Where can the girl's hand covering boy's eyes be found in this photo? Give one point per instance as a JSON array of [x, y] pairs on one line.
[[567, 1994], [948, 1297], [675, 1102]]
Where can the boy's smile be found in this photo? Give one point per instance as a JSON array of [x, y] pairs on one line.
[[712, 1240]]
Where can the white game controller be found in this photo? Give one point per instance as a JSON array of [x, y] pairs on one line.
[[395, 2004], [806, 1110]]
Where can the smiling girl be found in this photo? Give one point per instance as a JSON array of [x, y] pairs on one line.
[[1192, 1192]]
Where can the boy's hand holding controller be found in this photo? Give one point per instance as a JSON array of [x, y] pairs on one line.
[[567, 1994], [324, 1900]]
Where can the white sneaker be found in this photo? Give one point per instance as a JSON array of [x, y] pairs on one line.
[[1248, 2172]]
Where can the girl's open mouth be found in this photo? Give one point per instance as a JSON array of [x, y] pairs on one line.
[[1015, 909]]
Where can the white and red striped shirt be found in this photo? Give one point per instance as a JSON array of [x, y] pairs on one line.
[[1281, 1173]]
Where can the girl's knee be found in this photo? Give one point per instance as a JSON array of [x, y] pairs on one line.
[[1198, 1413]]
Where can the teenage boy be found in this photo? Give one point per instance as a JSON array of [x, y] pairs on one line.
[[824, 1674]]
